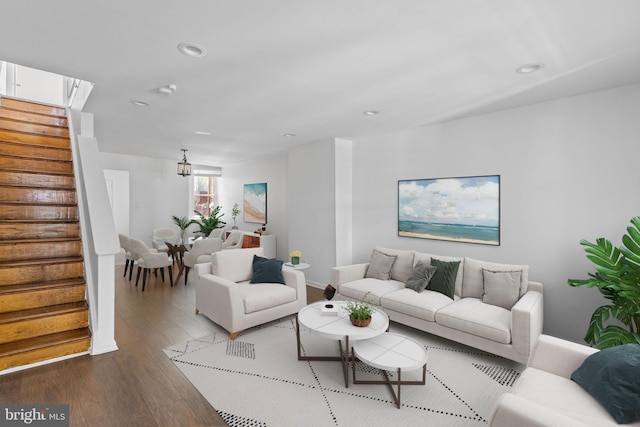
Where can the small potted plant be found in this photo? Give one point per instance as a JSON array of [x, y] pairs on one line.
[[295, 257], [235, 211], [360, 312]]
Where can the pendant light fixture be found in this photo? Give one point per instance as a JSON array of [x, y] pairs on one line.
[[184, 167]]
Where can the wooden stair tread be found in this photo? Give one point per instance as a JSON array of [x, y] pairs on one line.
[[41, 240], [44, 341], [48, 311], [12, 103], [40, 221], [40, 261], [36, 286]]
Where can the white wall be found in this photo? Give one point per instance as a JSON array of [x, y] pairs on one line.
[[568, 172], [273, 171], [156, 192]]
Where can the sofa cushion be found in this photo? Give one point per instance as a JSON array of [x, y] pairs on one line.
[[473, 316], [420, 276], [472, 283], [266, 270], [426, 258], [258, 298], [380, 266], [235, 265], [501, 288], [403, 265], [422, 306], [444, 278], [561, 395], [612, 377], [357, 289]]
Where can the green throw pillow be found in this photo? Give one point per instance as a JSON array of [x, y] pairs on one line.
[[420, 276], [611, 377], [266, 270], [444, 279]]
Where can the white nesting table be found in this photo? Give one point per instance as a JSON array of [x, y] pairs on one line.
[[338, 327], [391, 352]]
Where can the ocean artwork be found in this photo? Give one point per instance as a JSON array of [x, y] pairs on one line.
[[465, 209], [255, 203]]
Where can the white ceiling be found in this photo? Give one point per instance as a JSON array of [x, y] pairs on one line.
[[311, 67]]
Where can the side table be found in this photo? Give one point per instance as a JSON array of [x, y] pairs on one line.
[[391, 352]]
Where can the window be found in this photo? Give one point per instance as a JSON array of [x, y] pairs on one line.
[[203, 194]]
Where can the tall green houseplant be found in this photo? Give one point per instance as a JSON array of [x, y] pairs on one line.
[[209, 223], [617, 277]]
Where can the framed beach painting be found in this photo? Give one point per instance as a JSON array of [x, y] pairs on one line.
[[465, 209], [254, 203]]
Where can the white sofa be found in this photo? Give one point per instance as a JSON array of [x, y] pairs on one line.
[[544, 395], [465, 318], [224, 294]]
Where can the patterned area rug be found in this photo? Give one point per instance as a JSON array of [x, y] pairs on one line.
[[257, 380]]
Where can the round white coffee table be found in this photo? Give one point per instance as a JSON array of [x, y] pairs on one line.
[[391, 352], [336, 325]]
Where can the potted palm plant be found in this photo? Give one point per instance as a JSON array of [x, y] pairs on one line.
[[208, 223], [617, 277], [183, 223]]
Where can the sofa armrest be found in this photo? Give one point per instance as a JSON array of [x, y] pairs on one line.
[[295, 279], [512, 410], [348, 273], [558, 356], [526, 322]]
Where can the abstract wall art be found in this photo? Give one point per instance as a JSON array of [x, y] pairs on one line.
[[255, 203]]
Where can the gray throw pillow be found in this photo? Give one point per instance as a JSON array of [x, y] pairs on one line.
[[501, 288], [420, 276], [380, 265]]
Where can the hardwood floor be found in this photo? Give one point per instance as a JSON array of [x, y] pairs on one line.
[[136, 385]]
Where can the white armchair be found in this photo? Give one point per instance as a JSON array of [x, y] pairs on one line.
[[199, 253], [224, 294], [148, 259], [234, 240], [162, 235]]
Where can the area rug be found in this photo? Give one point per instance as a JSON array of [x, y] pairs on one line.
[[257, 380]]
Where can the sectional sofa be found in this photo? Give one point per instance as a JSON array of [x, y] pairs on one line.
[[490, 306]]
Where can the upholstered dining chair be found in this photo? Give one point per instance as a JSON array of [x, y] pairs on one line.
[[162, 235], [216, 233], [129, 258], [234, 240], [200, 252], [148, 260]]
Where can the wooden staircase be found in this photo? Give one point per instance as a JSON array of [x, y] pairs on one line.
[[43, 312]]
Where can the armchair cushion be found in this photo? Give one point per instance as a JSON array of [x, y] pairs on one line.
[[266, 270], [611, 377], [236, 266]]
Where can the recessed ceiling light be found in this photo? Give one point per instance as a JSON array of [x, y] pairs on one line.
[[202, 132], [371, 113], [289, 135], [191, 49], [139, 103], [529, 68]]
